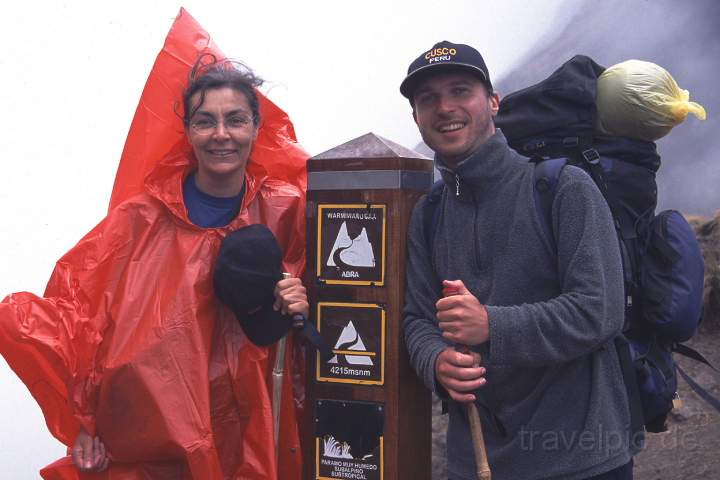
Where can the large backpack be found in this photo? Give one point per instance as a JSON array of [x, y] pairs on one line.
[[553, 124], [662, 263]]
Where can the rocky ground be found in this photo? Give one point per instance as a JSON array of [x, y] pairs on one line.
[[690, 449]]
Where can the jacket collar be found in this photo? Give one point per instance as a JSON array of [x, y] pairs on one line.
[[165, 183], [485, 170]]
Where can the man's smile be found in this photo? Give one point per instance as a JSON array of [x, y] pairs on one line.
[[450, 127]]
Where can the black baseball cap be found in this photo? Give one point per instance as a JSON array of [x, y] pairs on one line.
[[445, 55], [246, 270]]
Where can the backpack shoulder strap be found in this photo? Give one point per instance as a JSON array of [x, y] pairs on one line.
[[700, 391], [546, 176], [431, 212], [692, 353]]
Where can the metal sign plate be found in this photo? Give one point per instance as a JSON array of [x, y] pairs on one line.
[[356, 332], [349, 440], [351, 241]]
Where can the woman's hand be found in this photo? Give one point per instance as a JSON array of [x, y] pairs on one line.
[[291, 297], [88, 453]]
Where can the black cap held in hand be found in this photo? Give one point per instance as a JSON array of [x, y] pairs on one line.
[[246, 271], [445, 56]]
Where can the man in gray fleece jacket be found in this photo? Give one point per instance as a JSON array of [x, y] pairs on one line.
[[540, 315]]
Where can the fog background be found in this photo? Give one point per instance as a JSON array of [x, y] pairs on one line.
[[684, 38], [72, 73]]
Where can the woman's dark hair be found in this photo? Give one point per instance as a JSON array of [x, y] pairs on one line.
[[209, 73]]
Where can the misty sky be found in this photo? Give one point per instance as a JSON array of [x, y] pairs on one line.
[[72, 74]]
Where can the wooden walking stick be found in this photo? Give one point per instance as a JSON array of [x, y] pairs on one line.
[[476, 433]]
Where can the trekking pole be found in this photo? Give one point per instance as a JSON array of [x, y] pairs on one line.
[[277, 376], [482, 465], [478, 439]]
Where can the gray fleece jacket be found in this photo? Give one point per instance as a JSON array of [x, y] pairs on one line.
[[554, 405]]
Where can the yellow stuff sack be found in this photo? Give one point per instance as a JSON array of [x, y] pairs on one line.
[[641, 100]]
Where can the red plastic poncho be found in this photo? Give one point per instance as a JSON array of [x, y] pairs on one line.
[[157, 128], [130, 342]]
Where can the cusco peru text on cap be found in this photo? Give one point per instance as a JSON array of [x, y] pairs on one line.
[[439, 54]]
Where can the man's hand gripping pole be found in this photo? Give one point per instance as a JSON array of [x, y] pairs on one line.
[[476, 431]]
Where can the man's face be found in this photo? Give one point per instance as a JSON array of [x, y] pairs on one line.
[[454, 114]]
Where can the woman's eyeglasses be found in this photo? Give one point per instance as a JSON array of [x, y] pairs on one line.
[[235, 123]]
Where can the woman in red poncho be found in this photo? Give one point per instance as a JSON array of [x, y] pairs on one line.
[[141, 367]]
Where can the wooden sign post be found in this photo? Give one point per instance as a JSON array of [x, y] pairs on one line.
[[368, 415]]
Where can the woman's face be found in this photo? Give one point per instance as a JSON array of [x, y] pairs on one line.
[[222, 133]]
